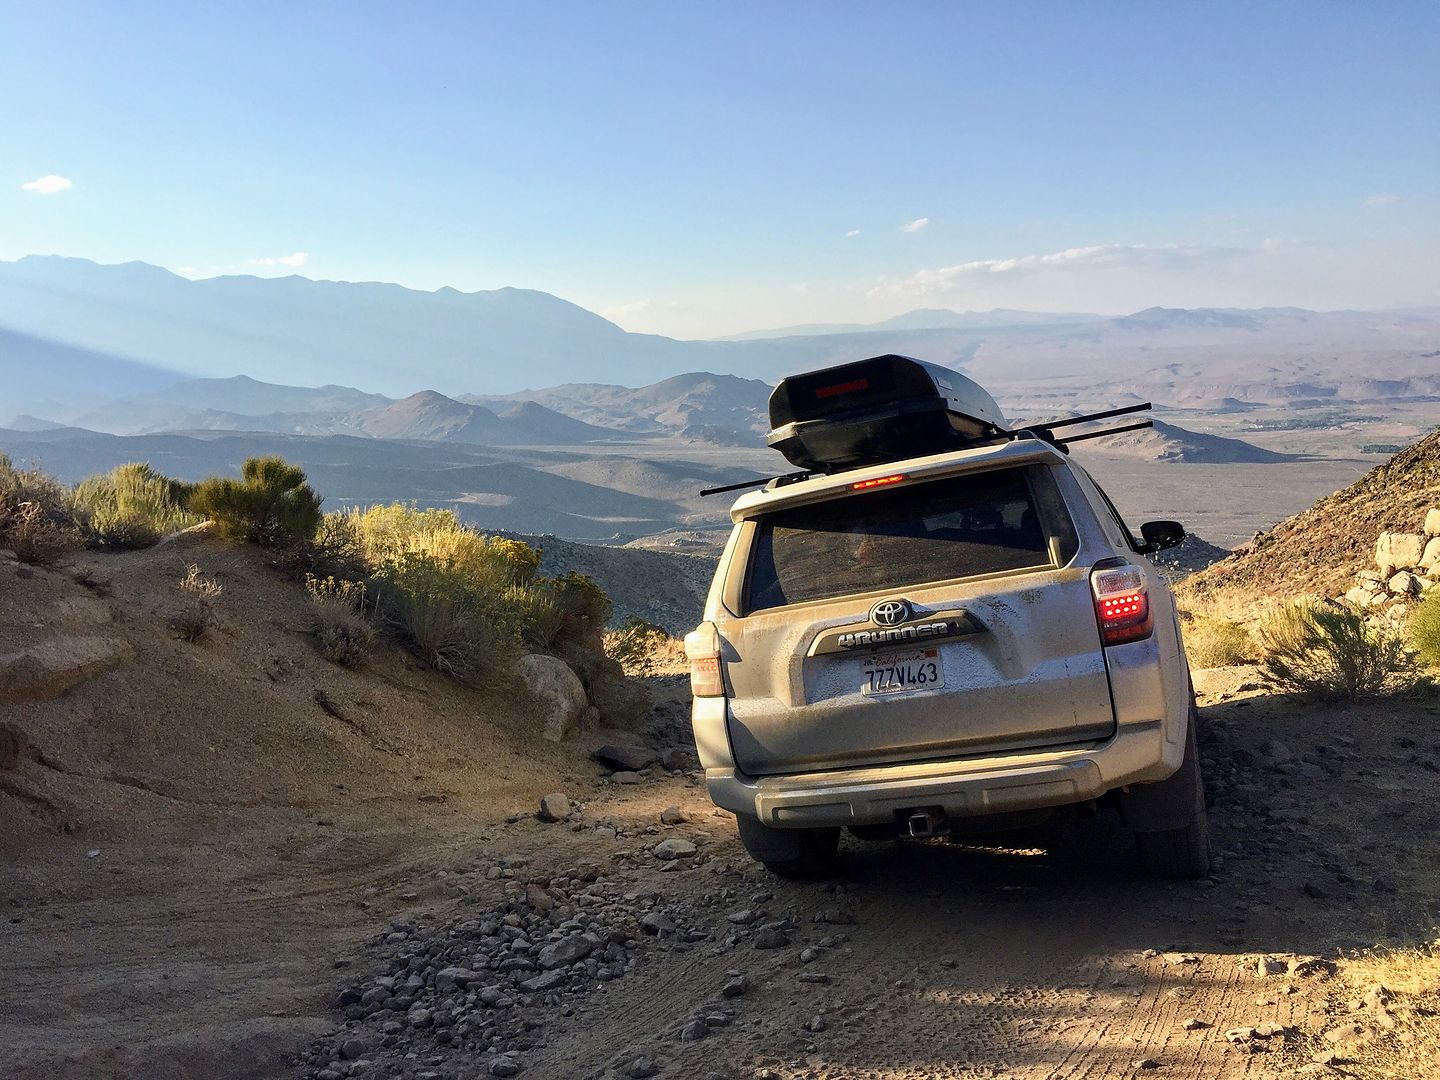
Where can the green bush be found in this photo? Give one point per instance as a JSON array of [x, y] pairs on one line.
[[1425, 628], [445, 620], [270, 504], [584, 604], [133, 506], [37, 516], [1328, 652]]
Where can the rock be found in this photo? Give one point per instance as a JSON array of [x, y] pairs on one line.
[[554, 807], [771, 937], [1194, 1024], [1398, 551], [13, 747], [48, 668], [816, 977], [625, 758], [539, 899], [627, 777], [816, 1024], [450, 979], [559, 691], [745, 916], [640, 1068], [566, 951], [1431, 556], [1349, 1035], [657, 923], [672, 815], [504, 1066], [547, 980], [351, 1049], [694, 1031], [1240, 1034], [1404, 584], [737, 987], [674, 848], [1275, 751], [1269, 965], [1145, 1063], [676, 759], [1432, 523], [1269, 1029], [834, 917]]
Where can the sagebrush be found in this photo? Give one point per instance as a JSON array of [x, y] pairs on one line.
[[1328, 652], [344, 633], [133, 506], [1425, 629], [196, 615]]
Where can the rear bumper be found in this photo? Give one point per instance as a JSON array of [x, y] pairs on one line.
[[968, 787]]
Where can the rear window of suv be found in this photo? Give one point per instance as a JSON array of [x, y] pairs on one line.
[[958, 527]]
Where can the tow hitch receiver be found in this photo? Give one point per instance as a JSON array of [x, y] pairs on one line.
[[928, 821]]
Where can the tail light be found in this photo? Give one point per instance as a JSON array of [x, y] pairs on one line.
[[1122, 606], [707, 673]]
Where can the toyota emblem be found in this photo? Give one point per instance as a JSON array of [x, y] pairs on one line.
[[891, 612]]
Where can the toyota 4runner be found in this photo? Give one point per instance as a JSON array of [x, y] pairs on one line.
[[959, 641]]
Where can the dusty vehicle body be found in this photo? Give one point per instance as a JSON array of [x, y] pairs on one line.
[[951, 641]]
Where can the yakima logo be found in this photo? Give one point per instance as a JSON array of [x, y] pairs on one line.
[[836, 389]]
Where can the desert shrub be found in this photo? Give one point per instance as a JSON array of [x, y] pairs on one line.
[[37, 516], [1328, 652], [270, 504], [132, 506], [1425, 628], [1212, 642], [344, 633], [197, 614], [443, 618], [585, 605], [642, 648], [385, 533]]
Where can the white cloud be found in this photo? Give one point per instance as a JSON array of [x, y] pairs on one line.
[[300, 258], [1382, 202], [916, 225], [853, 232], [48, 185], [1099, 256], [620, 311]]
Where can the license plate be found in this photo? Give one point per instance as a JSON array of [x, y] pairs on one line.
[[902, 673]]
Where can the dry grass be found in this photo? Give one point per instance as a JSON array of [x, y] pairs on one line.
[[1409, 1021], [1212, 641], [37, 516], [344, 633], [197, 615]]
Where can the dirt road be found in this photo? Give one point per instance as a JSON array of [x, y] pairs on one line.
[[930, 960]]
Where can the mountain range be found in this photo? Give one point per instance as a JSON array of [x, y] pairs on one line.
[[75, 335]]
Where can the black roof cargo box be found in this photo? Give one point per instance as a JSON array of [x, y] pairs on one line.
[[886, 408]]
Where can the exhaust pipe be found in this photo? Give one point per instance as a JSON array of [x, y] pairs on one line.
[[931, 821]]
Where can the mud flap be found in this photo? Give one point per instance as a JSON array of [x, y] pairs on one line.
[[1173, 803]]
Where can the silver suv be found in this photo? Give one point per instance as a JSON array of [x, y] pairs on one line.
[[953, 643]]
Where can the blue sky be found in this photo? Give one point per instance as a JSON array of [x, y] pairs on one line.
[[700, 169]]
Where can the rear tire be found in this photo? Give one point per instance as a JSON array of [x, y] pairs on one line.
[[1181, 850], [790, 853]]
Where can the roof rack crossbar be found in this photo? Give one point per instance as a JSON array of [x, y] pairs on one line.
[[1108, 431]]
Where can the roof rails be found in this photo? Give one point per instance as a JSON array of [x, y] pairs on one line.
[[1044, 432]]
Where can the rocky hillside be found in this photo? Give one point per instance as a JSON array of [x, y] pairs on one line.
[[662, 587], [1323, 548]]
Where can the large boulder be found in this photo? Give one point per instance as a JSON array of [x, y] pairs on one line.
[[557, 690], [1398, 551], [1432, 522], [1431, 556]]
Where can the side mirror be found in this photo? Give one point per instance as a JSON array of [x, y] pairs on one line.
[[1160, 535]]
